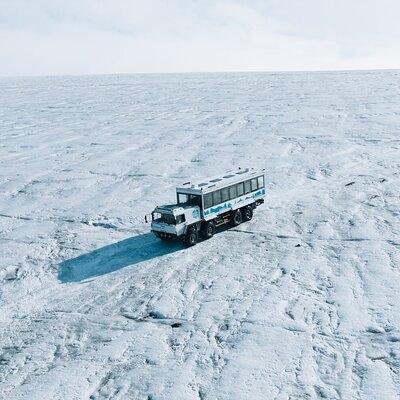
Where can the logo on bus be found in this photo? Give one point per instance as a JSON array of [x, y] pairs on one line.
[[195, 214]]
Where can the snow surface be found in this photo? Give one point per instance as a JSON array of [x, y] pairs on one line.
[[302, 302]]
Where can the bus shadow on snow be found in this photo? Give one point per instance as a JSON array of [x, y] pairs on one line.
[[115, 256]]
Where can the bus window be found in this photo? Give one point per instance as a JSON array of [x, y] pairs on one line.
[[232, 192], [224, 194], [208, 201], [254, 184], [216, 197], [260, 181], [247, 187], [182, 198], [180, 219], [240, 189], [192, 199]]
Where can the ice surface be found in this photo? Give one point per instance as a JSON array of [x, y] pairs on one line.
[[302, 302]]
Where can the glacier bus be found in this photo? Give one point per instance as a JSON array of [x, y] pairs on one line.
[[202, 207]]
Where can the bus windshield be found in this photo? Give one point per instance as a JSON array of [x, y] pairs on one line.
[[165, 218]]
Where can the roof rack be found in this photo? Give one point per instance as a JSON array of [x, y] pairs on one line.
[[230, 177]]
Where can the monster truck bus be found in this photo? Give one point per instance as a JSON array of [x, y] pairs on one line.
[[202, 207]]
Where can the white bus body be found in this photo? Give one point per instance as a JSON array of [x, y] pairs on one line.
[[210, 203]]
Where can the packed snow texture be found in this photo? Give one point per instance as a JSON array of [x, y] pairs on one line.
[[302, 302]]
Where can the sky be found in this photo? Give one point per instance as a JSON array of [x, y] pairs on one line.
[[68, 37]]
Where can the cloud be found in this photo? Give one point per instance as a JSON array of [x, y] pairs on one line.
[[92, 36]]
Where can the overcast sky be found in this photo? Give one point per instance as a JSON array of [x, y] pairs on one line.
[[51, 37]]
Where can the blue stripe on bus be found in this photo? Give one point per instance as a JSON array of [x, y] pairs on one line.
[[228, 205]]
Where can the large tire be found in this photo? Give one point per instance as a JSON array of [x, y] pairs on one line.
[[208, 230], [237, 218], [191, 237], [248, 213]]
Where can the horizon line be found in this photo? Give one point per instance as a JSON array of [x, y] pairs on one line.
[[200, 72]]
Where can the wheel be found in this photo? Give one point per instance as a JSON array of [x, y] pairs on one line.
[[208, 230], [247, 213], [191, 237], [237, 218]]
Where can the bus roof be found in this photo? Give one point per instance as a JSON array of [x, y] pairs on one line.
[[216, 182]]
